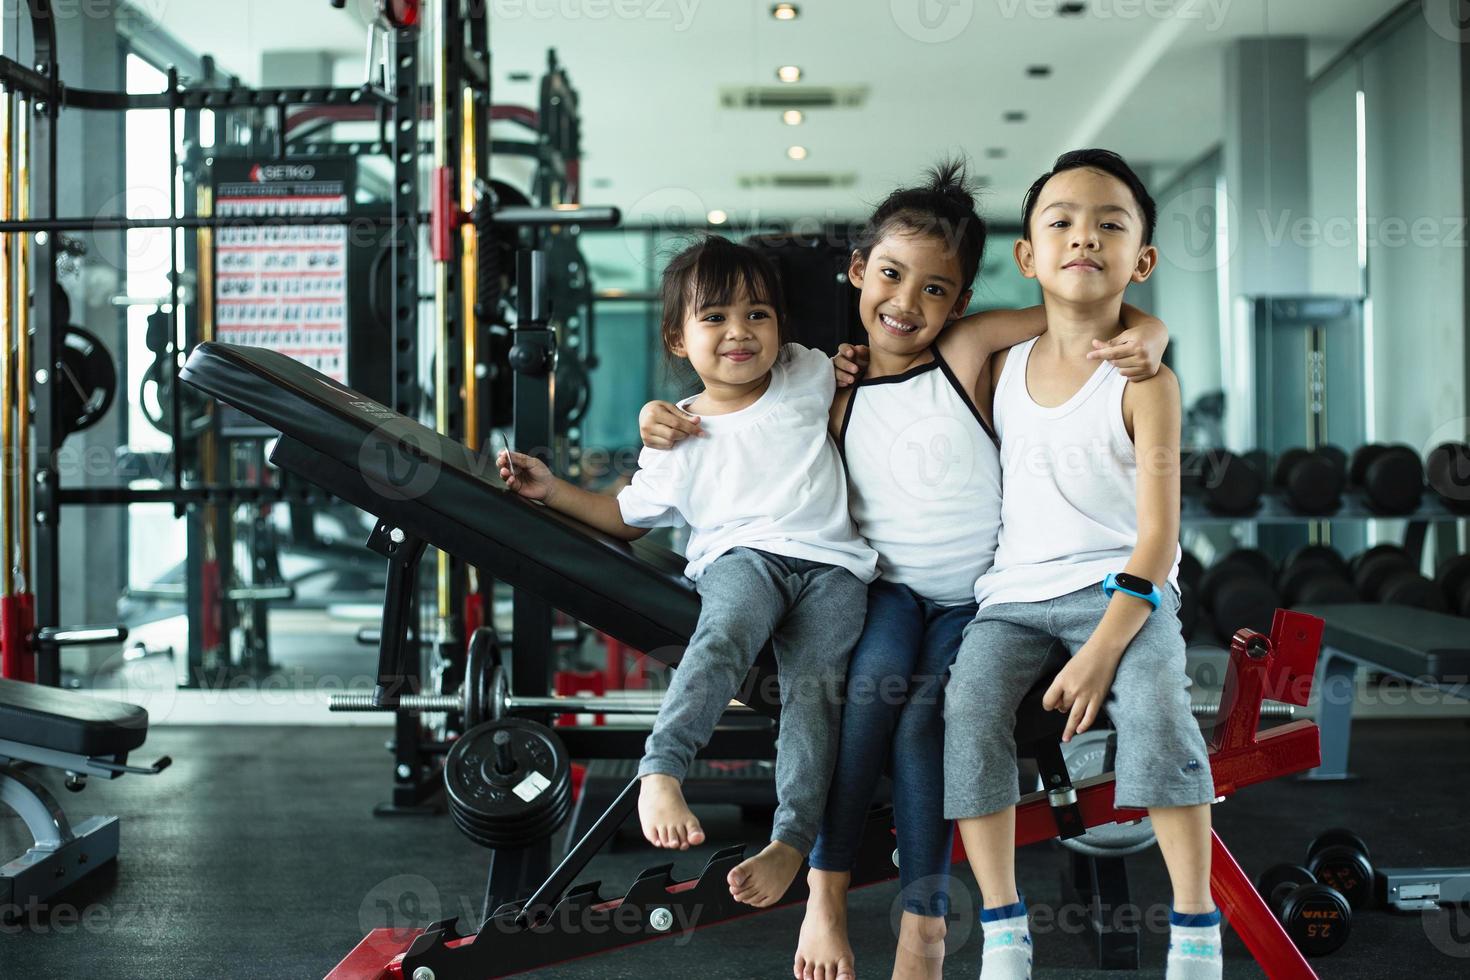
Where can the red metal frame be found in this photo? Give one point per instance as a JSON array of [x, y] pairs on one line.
[[1280, 666]]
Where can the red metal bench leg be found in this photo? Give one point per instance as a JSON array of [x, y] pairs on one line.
[[1249, 916]]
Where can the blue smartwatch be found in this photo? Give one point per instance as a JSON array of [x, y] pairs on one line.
[[1133, 585]]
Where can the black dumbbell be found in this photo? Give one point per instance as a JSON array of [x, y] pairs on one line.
[[1386, 573], [1316, 575], [1453, 579], [1229, 484], [1448, 471], [1339, 859], [1317, 917], [1391, 477], [1238, 591], [1311, 480]]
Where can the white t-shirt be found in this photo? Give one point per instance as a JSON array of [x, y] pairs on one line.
[[766, 477]]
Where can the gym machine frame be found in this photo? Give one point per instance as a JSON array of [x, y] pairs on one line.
[[563, 920], [31, 617]]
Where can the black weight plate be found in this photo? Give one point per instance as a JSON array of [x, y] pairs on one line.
[[1285, 463], [1345, 869], [515, 809], [1231, 485], [1362, 459], [482, 657], [1448, 472], [1313, 486], [1338, 459], [1454, 583], [87, 380], [1395, 480], [1278, 874], [1317, 918], [1337, 837], [1317, 554]]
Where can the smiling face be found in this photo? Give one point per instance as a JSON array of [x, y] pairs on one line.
[[1086, 238], [911, 287], [733, 344]]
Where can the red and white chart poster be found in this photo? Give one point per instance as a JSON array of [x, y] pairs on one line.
[[283, 286]]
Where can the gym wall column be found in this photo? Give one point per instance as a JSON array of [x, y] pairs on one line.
[[94, 554], [1416, 226], [1266, 180]]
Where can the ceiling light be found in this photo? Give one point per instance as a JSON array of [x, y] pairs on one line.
[[796, 152], [792, 117], [717, 217], [788, 73], [785, 11]]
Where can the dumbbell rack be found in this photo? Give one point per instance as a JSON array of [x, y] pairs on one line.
[[563, 921], [1273, 509]]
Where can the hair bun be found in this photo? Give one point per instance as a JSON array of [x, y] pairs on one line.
[[951, 178]]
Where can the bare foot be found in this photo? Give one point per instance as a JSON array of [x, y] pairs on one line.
[[667, 820], [823, 951], [763, 879], [920, 953]]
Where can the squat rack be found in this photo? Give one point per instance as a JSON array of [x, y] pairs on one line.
[[33, 98]]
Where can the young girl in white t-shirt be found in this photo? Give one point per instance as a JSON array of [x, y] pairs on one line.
[[771, 548]]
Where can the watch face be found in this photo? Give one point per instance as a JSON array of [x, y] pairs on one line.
[[1133, 583]]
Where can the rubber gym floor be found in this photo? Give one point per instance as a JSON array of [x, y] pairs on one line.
[[257, 855]]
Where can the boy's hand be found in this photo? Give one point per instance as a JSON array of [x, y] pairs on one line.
[[1136, 352], [531, 478], [849, 363], [1080, 688], [662, 425]]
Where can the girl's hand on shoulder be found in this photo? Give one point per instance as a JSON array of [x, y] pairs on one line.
[[526, 475], [663, 425], [1080, 688], [1137, 352], [849, 363]]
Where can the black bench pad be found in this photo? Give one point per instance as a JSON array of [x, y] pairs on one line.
[[66, 721], [1408, 641]]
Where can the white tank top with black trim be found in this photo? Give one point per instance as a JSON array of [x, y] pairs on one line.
[[1070, 508], [923, 477]]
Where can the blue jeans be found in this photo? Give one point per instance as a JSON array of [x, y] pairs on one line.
[[894, 714]]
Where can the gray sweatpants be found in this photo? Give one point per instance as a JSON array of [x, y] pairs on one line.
[[1162, 759], [813, 615]]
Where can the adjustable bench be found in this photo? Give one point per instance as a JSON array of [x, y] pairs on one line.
[[425, 488], [1429, 649], [83, 736]]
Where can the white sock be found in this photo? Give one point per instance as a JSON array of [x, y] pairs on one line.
[[1007, 954], [1194, 946]]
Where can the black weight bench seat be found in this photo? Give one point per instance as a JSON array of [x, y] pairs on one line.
[[1426, 648], [65, 721], [86, 737], [1413, 643]]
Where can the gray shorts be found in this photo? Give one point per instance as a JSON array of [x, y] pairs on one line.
[[1162, 759]]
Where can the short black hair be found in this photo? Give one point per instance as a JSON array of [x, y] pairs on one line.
[[1095, 159], [943, 207], [714, 271]]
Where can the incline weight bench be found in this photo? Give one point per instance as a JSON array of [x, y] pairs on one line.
[[425, 488], [83, 736], [1427, 649]]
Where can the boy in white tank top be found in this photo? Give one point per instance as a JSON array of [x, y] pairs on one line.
[[1087, 554]]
